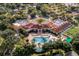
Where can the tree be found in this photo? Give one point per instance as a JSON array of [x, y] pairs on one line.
[[2, 26], [32, 11], [76, 45], [77, 18], [8, 44], [26, 50], [45, 10], [58, 45]]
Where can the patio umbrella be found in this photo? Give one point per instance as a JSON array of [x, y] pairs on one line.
[[68, 39]]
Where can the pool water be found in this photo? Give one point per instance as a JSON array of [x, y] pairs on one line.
[[38, 49], [40, 39]]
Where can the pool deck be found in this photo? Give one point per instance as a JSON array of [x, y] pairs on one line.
[[51, 37]]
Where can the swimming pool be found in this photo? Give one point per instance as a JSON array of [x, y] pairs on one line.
[[38, 49], [40, 39]]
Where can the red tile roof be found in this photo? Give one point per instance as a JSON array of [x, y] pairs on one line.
[[55, 28], [38, 26], [60, 28]]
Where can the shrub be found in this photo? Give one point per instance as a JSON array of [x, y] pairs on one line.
[[75, 45]]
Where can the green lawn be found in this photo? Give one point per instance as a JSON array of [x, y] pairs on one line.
[[72, 31]]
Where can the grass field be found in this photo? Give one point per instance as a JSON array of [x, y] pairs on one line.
[[72, 31]]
